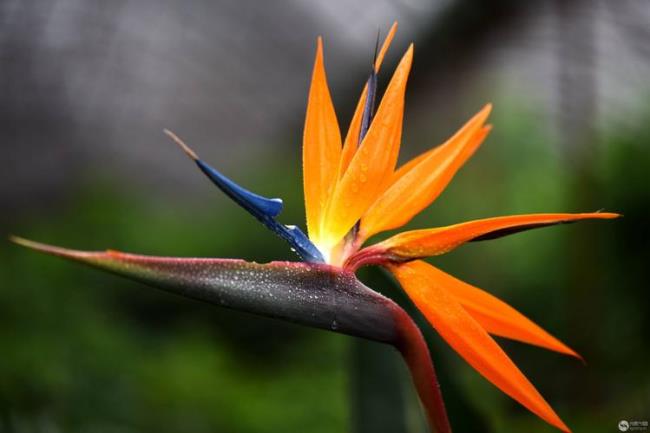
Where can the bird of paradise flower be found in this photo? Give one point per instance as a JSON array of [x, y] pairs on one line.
[[352, 192]]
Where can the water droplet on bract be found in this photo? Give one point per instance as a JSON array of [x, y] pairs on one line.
[[334, 325]]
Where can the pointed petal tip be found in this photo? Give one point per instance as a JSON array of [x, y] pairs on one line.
[[408, 56], [560, 425], [607, 215], [563, 349], [407, 59], [188, 151], [484, 112], [566, 350], [384, 47]]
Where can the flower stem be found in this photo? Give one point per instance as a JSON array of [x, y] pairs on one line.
[[414, 349]]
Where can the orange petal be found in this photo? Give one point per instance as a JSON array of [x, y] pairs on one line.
[[495, 316], [432, 242], [406, 167], [422, 180], [384, 47], [321, 148], [373, 162], [467, 337], [352, 139]]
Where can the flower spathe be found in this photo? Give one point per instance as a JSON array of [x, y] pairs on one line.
[[353, 190]]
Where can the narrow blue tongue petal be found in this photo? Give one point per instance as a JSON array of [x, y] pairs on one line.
[[250, 201], [366, 118], [263, 209], [369, 105]]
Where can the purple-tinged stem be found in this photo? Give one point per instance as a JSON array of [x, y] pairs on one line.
[[414, 350]]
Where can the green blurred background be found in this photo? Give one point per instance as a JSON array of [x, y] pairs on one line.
[[86, 90]]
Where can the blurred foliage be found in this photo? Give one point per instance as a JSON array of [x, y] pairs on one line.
[[83, 351]]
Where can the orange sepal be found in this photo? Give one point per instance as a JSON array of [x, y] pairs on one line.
[[352, 138], [321, 148], [497, 317], [373, 162], [432, 242], [467, 337], [421, 181]]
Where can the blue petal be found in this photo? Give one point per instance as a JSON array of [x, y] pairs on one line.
[[250, 201], [369, 106], [303, 245], [264, 210]]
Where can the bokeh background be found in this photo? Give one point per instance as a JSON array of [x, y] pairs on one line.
[[86, 88]]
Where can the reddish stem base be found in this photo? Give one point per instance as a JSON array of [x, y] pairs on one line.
[[414, 349]]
